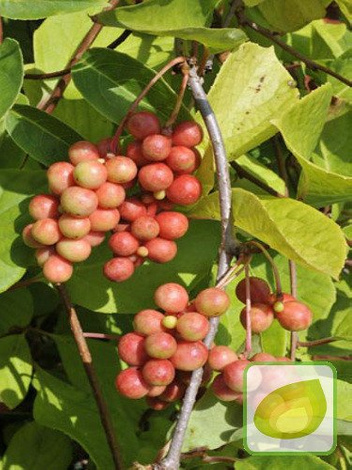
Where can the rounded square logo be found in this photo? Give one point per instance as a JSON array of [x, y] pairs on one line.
[[290, 408]]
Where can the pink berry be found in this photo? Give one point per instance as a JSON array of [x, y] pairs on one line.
[[222, 391], [43, 254], [160, 250], [259, 289], [44, 206], [131, 209], [73, 227], [60, 177], [134, 152], [185, 190], [158, 372], [156, 147], [261, 315], [103, 147], [220, 357], [131, 349], [160, 345], [172, 225], [142, 124], [212, 302], [110, 195], [74, 250], [171, 297], [148, 321], [187, 134], [263, 357], [181, 160], [296, 316], [173, 392], [121, 169], [57, 269], [123, 244], [83, 151], [90, 175], [118, 269], [155, 177], [95, 238], [103, 220], [28, 238], [189, 355], [131, 384], [192, 326], [79, 202], [234, 374], [145, 228], [46, 231], [157, 404]]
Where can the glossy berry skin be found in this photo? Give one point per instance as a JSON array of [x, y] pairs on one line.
[[95, 238], [222, 391], [156, 390], [145, 228], [171, 297], [79, 202], [192, 326], [131, 209], [185, 190], [212, 302], [181, 160], [72, 227], [148, 321], [261, 315], [43, 254], [296, 316], [187, 134], [90, 175], [57, 269], [60, 177], [172, 225], [173, 392], [46, 231], [28, 239], [160, 345], [103, 220], [233, 374], [110, 195], [134, 152], [131, 384], [118, 269], [74, 250], [131, 349], [156, 147], [155, 177], [259, 289], [160, 250], [123, 244], [220, 357], [44, 206], [83, 151], [121, 169], [158, 372], [189, 356], [263, 357], [142, 124]]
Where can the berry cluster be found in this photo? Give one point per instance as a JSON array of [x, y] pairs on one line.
[[166, 347], [89, 199]]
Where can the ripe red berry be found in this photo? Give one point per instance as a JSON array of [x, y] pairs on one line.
[[121, 169], [28, 238], [156, 390], [103, 146], [44, 206], [192, 326], [156, 147], [189, 355], [83, 151], [103, 220], [79, 202], [263, 357], [131, 384], [43, 254], [185, 190], [157, 404], [160, 345], [46, 231], [212, 302], [181, 160], [131, 209], [57, 269], [95, 238], [148, 321], [273, 298], [60, 177], [73, 227], [155, 177], [172, 224], [188, 134], [222, 391], [259, 289], [110, 195], [173, 392], [171, 297], [123, 244], [142, 124], [234, 374], [145, 228], [131, 349], [118, 269], [261, 315], [158, 372], [296, 316], [90, 175], [74, 250], [160, 250], [134, 152], [220, 357]]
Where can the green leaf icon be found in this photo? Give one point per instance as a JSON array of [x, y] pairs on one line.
[[292, 411]]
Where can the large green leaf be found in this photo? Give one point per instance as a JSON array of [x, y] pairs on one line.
[[16, 309], [43, 137], [288, 462], [11, 73], [343, 66], [41, 449], [244, 97], [16, 186], [89, 288], [283, 224], [24, 10], [15, 369], [346, 8], [344, 400]]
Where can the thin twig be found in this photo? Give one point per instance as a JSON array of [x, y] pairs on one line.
[[273, 266], [293, 282], [122, 38], [27, 282], [248, 345], [101, 336], [45, 76], [92, 376], [171, 461], [169, 123], [317, 342]]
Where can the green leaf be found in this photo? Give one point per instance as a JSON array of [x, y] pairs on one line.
[[344, 400], [282, 224], [36, 9], [289, 462], [343, 66], [15, 370], [11, 73], [346, 8], [16, 310], [43, 137], [41, 449], [89, 288], [15, 187], [348, 232], [244, 97]]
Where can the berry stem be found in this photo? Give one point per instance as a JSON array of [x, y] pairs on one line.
[[317, 342], [92, 376], [114, 146], [248, 344], [234, 271], [181, 93], [293, 282], [101, 336]]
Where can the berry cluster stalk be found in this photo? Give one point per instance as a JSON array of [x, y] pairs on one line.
[[172, 460]]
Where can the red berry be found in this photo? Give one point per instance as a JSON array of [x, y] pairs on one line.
[[123, 244], [261, 315], [118, 269], [134, 152], [103, 146], [172, 224], [46, 231], [72, 227], [155, 177], [185, 190], [79, 202], [160, 345], [189, 355], [220, 357], [121, 169], [60, 177], [83, 151], [273, 298], [57, 269], [95, 238], [156, 147], [152, 209], [28, 238], [44, 206], [103, 220], [171, 297], [173, 392], [90, 175], [148, 321], [234, 374], [145, 228], [259, 289], [142, 124], [131, 209], [181, 160], [263, 357], [158, 372], [157, 404], [74, 250], [212, 302], [160, 250], [43, 254], [188, 134], [156, 390], [192, 326], [222, 391], [131, 349], [296, 316], [131, 384]]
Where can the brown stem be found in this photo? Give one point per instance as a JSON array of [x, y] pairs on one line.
[[234, 271], [248, 345], [317, 342], [348, 262], [101, 336], [169, 123], [293, 282], [92, 376], [44, 76], [122, 38], [273, 266], [26, 283]]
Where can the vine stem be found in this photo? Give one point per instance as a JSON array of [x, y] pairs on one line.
[[248, 344], [101, 336], [293, 282], [169, 123], [172, 459], [316, 342], [92, 376], [273, 265]]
